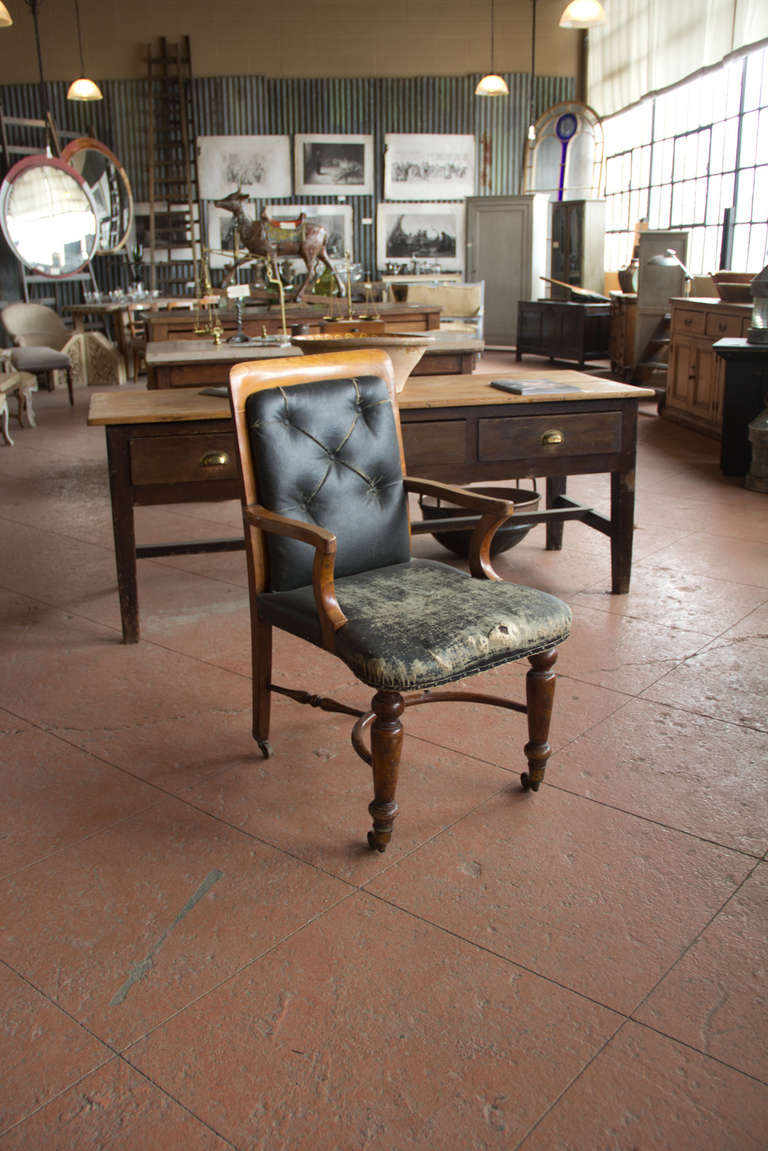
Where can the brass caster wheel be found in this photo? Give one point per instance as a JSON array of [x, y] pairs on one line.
[[374, 846], [265, 747], [528, 784]]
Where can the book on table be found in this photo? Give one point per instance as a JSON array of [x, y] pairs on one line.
[[541, 387]]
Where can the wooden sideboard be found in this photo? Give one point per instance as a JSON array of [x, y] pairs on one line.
[[563, 330], [696, 374]]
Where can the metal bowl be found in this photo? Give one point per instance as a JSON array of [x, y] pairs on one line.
[[524, 499]]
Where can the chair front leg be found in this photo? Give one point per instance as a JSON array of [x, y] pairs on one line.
[[540, 694], [386, 745]]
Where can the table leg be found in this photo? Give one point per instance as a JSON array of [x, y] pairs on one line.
[[124, 531], [622, 529], [556, 486]]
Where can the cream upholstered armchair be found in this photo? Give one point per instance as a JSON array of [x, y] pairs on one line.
[[463, 304], [38, 331]]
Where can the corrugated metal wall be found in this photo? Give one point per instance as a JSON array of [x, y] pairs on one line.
[[256, 105]]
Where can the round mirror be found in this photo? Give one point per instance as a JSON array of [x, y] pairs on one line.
[[109, 186], [48, 216]]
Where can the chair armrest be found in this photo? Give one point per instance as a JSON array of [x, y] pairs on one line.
[[324, 543], [493, 513], [464, 497]]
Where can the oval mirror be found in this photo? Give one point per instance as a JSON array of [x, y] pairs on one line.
[[48, 216], [109, 186]]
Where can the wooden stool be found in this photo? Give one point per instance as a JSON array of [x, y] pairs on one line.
[[20, 385]]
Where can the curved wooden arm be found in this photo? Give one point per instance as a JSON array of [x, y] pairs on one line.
[[495, 512], [464, 497], [324, 542]]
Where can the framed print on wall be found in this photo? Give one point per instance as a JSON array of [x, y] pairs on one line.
[[433, 232], [257, 165], [333, 165], [434, 167]]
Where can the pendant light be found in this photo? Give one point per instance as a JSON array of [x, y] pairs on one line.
[[531, 114], [583, 14], [5, 17], [82, 88], [491, 84]]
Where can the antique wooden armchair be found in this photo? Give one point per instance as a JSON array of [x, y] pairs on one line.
[[325, 507]]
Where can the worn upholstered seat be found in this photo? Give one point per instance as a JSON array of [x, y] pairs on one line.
[[328, 545]]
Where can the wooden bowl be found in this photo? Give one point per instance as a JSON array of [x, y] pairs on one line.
[[404, 350]]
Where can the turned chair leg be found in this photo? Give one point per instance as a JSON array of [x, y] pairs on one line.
[[540, 694], [4, 429], [261, 663], [386, 745]]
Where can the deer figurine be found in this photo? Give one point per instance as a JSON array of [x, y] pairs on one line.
[[255, 235]]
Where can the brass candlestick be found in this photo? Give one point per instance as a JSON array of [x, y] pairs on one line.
[[274, 278]]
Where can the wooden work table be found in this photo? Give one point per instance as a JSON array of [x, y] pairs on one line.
[[200, 362], [266, 320], [173, 446]]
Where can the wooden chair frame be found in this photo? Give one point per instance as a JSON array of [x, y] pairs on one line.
[[383, 718]]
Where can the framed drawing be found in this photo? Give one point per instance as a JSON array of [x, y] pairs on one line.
[[418, 167], [434, 232], [336, 218], [333, 165], [258, 165]]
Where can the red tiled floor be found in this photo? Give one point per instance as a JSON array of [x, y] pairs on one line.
[[714, 999], [647, 1092], [42, 1050], [114, 1107], [291, 1008], [372, 1029], [599, 901], [135, 922]]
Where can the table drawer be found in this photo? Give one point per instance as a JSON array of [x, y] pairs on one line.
[[183, 459], [524, 437], [430, 440], [718, 327], [690, 323]]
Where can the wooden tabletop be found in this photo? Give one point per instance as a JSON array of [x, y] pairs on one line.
[[207, 351], [135, 406]]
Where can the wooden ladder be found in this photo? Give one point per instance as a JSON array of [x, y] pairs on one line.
[[174, 222]]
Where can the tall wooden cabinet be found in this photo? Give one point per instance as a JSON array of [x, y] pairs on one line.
[[577, 246], [507, 247], [696, 373]]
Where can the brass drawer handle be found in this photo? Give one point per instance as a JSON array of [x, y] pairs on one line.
[[553, 437], [688, 321], [215, 459]]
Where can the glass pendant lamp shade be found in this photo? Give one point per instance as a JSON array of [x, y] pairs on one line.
[[583, 14], [492, 85], [84, 89], [5, 17]]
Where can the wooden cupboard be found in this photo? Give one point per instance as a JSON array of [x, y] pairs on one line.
[[696, 373]]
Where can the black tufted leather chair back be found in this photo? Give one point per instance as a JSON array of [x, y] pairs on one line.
[[327, 453]]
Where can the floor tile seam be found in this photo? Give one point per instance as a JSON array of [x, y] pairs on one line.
[[711, 715], [47, 532], [624, 1016], [77, 842], [520, 1145], [698, 1050], [184, 1106], [111, 1058], [123, 1051], [692, 942], [756, 854]]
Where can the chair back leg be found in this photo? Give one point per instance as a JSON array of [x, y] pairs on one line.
[[386, 746], [540, 695], [261, 667]]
